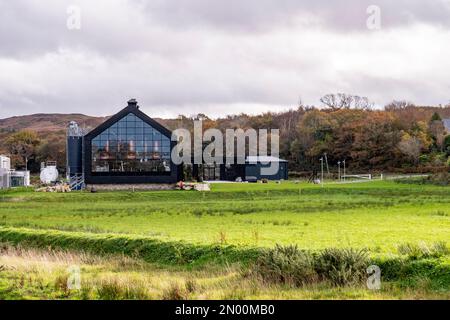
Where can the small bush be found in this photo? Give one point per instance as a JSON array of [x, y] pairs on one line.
[[342, 266], [110, 290], [174, 292], [287, 265], [442, 178], [190, 285], [439, 179], [61, 283]]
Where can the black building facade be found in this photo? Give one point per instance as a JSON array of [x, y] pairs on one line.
[[132, 148], [129, 148], [255, 168], [252, 170]]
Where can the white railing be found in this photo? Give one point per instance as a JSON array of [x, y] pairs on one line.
[[76, 182]]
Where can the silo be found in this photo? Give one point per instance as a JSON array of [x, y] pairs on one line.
[[75, 156]]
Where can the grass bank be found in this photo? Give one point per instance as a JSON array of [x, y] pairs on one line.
[[149, 250]]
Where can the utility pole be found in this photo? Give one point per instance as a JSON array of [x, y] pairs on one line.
[[328, 168], [321, 165], [339, 171]]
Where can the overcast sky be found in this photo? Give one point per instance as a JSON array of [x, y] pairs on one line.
[[218, 57]]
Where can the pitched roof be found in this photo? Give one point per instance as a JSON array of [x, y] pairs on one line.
[[131, 108]]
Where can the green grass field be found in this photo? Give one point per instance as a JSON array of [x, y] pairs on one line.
[[232, 221]]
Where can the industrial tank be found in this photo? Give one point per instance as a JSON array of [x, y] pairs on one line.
[[74, 155], [74, 150], [75, 175], [49, 173]]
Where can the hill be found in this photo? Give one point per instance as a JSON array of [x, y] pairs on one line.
[[47, 122], [48, 126], [402, 136]]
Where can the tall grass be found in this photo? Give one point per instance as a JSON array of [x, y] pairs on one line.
[[423, 250], [42, 273]]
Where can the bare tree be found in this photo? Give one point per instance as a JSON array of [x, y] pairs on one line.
[[340, 101], [398, 105], [362, 103]]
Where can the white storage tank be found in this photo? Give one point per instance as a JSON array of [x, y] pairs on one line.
[[49, 173]]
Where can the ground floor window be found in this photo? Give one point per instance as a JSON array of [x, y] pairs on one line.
[[143, 165]]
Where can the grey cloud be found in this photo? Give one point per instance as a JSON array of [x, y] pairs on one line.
[[263, 15], [176, 56], [30, 27]]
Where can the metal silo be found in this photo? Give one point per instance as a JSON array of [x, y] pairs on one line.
[[75, 166]]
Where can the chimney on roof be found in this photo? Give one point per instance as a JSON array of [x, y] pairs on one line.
[[133, 103]]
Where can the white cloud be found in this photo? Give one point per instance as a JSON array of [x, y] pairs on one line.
[[213, 58]]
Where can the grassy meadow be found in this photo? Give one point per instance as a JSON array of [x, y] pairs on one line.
[[172, 237]]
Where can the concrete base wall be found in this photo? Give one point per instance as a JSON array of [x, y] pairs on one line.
[[130, 187]]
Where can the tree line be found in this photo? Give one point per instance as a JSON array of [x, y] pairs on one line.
[[402, 136]]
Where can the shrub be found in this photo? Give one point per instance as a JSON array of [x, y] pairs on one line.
[[61, 283], [190, 285], [342, 266], [174, 292], [422, 250], [413, 272], [442, 178], [110, 290], [287, 265], [113, 289]]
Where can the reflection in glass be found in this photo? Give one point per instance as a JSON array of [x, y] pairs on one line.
[[131, 145]]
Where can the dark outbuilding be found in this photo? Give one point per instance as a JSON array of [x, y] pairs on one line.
[[254, 168]]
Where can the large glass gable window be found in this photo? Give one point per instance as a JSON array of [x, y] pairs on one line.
[[131, 146]]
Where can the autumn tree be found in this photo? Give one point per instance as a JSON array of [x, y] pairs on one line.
[[23, 145], [375, 141], [437, 131], [447, 145]]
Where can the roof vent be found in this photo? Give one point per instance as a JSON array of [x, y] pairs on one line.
[[133, 103]]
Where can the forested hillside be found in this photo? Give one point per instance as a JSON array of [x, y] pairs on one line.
[[402, 136]]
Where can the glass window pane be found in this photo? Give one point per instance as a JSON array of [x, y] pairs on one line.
[[131, 145]]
